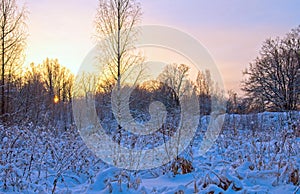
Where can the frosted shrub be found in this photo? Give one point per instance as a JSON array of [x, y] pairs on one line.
[[35, 159]]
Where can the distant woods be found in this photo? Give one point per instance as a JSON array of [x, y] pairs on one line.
[[42, 93]]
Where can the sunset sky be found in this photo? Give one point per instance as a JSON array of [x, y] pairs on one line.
[[233, 31]]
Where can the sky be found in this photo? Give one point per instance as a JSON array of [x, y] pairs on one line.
[[232, 30]]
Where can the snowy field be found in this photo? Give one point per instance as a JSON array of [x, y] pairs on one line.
[[256, 153]]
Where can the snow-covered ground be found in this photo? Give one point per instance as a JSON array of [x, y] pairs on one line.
[[256, 153]]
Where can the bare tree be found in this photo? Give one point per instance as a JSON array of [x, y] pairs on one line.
[[272, 79], [115, 27], [32, 95], [115, 22], [204, 83], [176, 77], [204, 87], [12, 37]]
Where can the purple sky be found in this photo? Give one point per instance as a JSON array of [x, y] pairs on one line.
[[232, 30]]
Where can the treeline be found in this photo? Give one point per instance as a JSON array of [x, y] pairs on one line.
[[43, 93]]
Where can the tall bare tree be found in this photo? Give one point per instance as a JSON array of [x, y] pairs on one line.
[[12, 39], [273, 79], [115, 22], [115, 27]]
